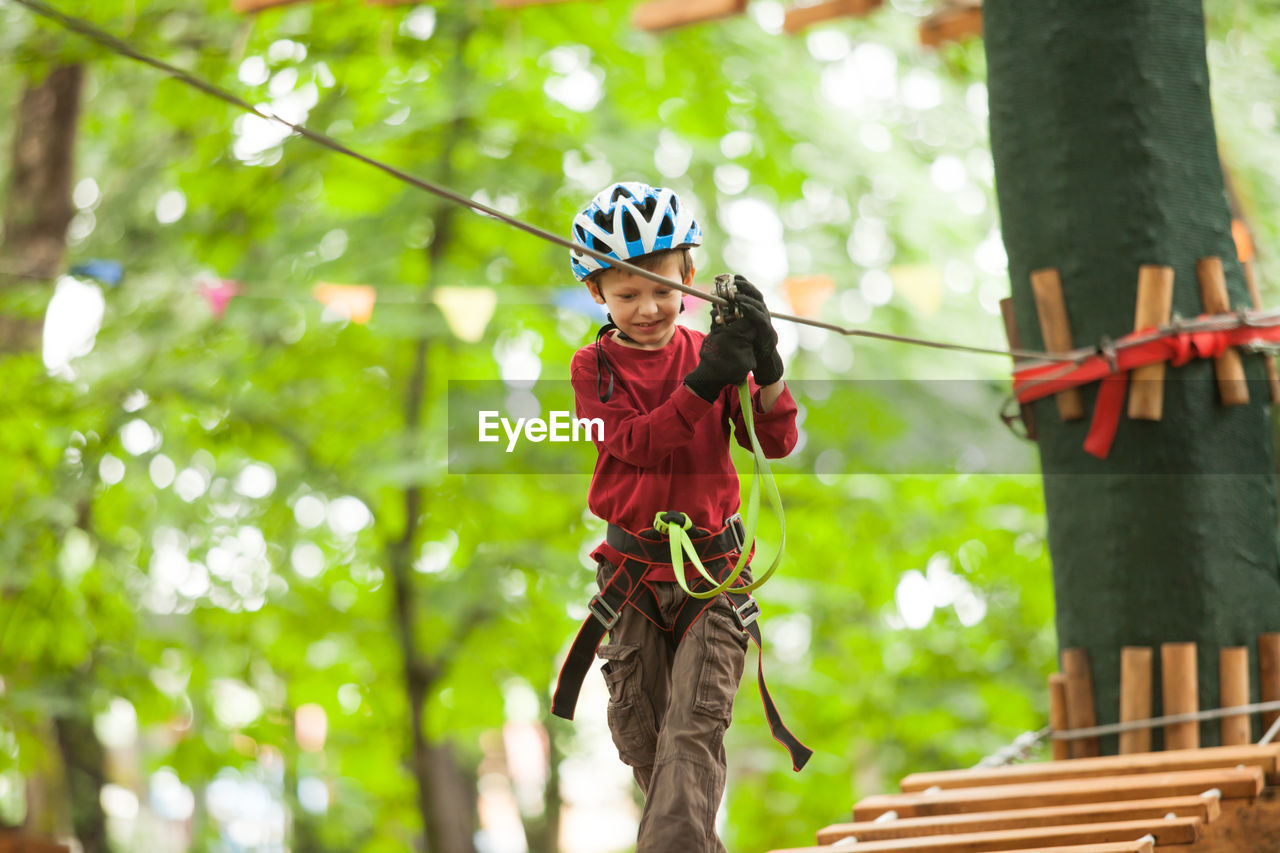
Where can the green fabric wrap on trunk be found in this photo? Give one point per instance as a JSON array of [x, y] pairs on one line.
[[1106, 159]]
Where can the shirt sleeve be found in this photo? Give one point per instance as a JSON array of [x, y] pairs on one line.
[[638, 438], [776, 428]]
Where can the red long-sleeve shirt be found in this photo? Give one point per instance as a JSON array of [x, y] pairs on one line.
[[664, 447]]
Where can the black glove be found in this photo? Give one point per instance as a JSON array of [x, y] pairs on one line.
[[764, 340], [724, 359]]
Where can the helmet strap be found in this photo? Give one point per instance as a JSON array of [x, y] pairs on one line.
[[602, 364], [612, 326]]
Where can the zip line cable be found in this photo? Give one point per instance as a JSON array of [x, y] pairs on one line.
[[1076, 356], [121, 47]]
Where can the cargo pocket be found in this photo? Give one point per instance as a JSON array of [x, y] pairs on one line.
[[631, 721], [724, 655]]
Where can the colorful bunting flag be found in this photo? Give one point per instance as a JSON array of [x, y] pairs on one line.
[[353, 301], [693, 304], [578, 300], [467, 310], [218, 292], [921, 284], [808, 293], [108, 272]]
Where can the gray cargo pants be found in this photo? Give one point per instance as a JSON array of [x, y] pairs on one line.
[[668, 712]]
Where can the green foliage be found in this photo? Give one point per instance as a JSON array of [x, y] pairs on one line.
[[182, 520]]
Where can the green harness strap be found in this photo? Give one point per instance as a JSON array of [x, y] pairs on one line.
[[679, 538]]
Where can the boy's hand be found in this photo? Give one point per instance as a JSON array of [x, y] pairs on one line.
[[750, 304], [725, 358]]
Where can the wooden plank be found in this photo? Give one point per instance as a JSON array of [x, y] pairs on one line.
[[1015, 342], [1266, 758], [956, 21], [1181, 689], [1269, 674], [1202, 807], [1233, 690], [1155, 301], [1060, 749], [1135, 697], [800, 17], [1179, 830], [1227, 367], [511, 4], [1080, 707], [14, 843], [1141, 845], [667, 14], [1232, 782], [1273, 372], [1055, 329], [248, 6], [1246, 826]]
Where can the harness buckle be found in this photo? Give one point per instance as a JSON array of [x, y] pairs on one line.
[[605, 615], [747, 613], [739, 530]]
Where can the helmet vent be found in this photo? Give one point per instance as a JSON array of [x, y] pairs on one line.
[[629, 229]]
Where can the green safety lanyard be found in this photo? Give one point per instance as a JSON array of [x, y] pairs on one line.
[[679, 537]]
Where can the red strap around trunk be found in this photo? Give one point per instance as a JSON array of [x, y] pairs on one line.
[[1177, 348]]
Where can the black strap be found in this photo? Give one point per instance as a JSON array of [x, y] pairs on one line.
[[602, 361], [651, 546], [602, 365], [627, 587], [746, 613], [606, 609]]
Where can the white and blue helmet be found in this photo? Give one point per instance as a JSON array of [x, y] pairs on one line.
[[630, 219]]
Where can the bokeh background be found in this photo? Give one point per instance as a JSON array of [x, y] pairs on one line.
[[257, 590]]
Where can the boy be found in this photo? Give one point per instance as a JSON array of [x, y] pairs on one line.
[[666, 397]]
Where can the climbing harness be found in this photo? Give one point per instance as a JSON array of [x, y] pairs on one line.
[[719, 559], [628, 588]]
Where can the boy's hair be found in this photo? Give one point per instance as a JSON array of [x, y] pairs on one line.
[[652, 262]]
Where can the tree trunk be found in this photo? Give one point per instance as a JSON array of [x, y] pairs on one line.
[[453, 801], [446, 797], [37, 211], [1106, 159], [83, 757], [38, 206], [544, 833]]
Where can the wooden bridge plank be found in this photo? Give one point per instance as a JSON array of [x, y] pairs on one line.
[[1246, 826], [1178, 831], [1266, 757], [1231, 782], [1204, 808]]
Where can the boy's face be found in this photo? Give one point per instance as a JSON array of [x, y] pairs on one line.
[[644, 310]]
